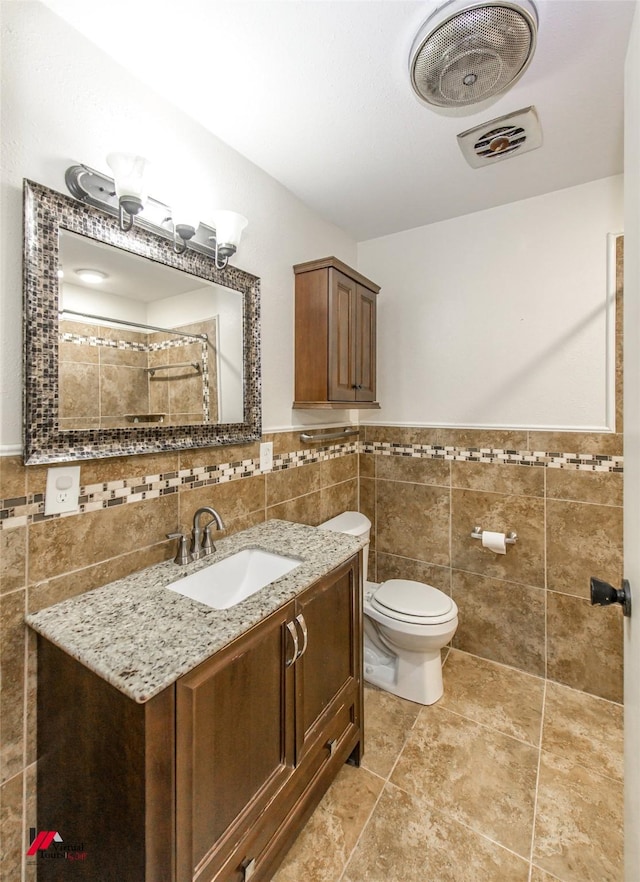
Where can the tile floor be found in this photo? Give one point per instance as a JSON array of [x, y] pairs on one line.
[[508, 778]]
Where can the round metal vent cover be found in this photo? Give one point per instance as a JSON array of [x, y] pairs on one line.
[[467, 52]]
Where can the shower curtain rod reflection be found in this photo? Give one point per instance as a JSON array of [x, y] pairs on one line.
[[115, 321]]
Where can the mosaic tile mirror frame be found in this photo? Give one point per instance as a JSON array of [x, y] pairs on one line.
[[46, 213]]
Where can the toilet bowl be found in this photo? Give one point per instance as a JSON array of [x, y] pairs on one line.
[[406, 624]]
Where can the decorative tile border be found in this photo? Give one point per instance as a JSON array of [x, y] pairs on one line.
[[574, 461], [94, 497], [131, 345]]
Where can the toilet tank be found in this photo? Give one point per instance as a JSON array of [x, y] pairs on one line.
[[353, 523]]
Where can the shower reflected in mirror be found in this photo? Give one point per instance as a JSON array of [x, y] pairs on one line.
[[140, 342]]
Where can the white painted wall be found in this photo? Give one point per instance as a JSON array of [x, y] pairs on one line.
[[498, 318], [495, 318], [97, 302], [64, 102]]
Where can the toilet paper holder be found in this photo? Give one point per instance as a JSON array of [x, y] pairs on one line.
[[510, 538]]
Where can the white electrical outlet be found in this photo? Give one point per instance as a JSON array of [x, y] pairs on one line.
[[63, 490], [266, 456]]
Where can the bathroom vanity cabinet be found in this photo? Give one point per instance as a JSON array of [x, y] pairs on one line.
[[213, 778], [335, 336]]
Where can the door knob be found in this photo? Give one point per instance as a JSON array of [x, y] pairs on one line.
[[605, 594]]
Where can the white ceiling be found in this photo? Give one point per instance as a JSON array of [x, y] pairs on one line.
[[317, 93], [126, 274]]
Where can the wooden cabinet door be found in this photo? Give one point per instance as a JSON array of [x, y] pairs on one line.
[[365, 344], [342, 356], [328, 670], [235, 744]]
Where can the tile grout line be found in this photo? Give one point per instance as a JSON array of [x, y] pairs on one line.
[[457, 821], [25, 732], [546, 583], [487, 727], [499, 732], [385, 781], [362, 831], [535, 801]]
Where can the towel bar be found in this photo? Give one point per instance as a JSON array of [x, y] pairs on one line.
[[329, 436]]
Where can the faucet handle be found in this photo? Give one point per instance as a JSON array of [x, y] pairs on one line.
[[207, 542], [183, 556]]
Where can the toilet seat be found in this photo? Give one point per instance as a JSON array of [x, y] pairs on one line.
[[414, 602]]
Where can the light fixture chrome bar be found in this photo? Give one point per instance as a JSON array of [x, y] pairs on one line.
[[94, 188], [116, 321]]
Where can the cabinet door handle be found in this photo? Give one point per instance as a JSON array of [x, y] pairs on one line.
[[291, 628], [305, 634]]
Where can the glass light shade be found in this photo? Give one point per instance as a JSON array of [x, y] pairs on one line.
[[184, 212], [228, 226], [128, 173]]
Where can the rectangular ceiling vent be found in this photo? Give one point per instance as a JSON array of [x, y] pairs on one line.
[[510, 135]]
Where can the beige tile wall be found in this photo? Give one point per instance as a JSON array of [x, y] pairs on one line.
[[529, 608], [47, 561]]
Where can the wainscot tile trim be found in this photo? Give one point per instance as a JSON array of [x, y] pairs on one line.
[[574, 461], [20, 511]]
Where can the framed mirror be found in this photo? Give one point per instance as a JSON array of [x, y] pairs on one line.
[[130, 347]]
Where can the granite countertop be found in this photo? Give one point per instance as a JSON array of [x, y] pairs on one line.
[[140, 637]]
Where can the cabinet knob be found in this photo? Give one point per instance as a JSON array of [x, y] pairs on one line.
[[332, 745]]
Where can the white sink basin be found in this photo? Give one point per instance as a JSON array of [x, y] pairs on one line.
[[235, 578]]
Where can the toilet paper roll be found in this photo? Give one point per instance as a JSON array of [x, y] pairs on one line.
[[494, 541]]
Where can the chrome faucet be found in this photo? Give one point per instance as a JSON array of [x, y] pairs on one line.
[[206, 546]]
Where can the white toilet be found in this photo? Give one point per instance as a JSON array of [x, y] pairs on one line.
[[406, 624]]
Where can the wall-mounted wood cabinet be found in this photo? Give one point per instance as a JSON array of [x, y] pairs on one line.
[[335, 336], [211, 780]]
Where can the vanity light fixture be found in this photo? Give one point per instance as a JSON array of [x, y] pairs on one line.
[[228, 226], [125, 197], [183, 213], [183, 233], [128, 172]]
